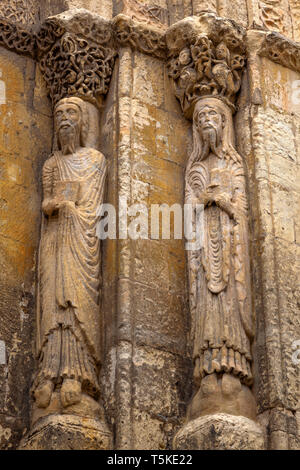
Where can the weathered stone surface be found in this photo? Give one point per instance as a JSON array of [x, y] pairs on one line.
[[272, 149], [145, 332], [69, 322], [220, 432], [26, 136], [67, 432], [20, 11], [146, 378]]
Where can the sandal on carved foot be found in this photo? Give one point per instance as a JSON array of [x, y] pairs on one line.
[[70, 392]]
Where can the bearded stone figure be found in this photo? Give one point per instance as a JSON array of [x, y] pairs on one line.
[[219, 272], [69, 322]]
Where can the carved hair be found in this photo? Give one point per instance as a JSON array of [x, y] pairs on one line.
[[228, 141], [84, 117]]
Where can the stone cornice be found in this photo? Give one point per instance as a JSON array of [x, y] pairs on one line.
[[139, 36], [76, 51], [281, 50]]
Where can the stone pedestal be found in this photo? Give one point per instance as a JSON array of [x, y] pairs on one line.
[[68, 432], [220, 432]]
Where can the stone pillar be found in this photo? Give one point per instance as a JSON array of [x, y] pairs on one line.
[[272, 144], [145, 282]]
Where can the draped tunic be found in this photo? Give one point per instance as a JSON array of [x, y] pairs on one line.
[[69, 255], [219, 272]]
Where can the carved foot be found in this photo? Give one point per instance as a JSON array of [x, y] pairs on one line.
[[70, 392], [222, 394], [43, 394]]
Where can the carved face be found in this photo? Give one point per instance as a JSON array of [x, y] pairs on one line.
[[185, 57], [209, 119], [187, 76], [222, 52], [68, 122]]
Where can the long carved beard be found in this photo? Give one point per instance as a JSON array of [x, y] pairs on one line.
[[69, 139], [210, 143]]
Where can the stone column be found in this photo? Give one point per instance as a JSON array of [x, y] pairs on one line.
[[145, 286], [207, 59], [271, 140]]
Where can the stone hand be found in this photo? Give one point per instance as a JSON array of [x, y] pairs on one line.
[[205, 197], [66, 204], [223, 200], [50, 205]]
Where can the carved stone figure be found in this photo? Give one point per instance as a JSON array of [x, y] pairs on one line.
[[69, 322], [219, 272], [206, 62]]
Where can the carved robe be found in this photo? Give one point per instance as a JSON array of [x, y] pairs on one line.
[[69, 327], [219, 272]]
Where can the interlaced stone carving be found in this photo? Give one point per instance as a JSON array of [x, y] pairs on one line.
[[281, 50], [144, 38], [19, 11], [271, 14], [49, 33], [150, 14], [16, 38], [77, 56], [207, 57]]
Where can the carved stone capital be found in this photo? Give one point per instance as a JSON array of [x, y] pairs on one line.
[[76, 54], [145, 38], [281, 50], [206, 58]]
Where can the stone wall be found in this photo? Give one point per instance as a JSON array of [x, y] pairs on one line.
[[146, 376], [26, 139], [270, 144]]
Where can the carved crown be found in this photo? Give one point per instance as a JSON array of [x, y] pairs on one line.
[[206, 58]]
